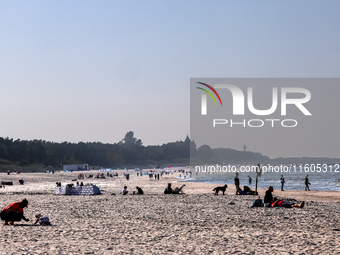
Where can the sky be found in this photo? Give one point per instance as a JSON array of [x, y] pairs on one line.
[[93, 70]]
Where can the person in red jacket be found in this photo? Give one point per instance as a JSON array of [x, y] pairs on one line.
[[14, 212]]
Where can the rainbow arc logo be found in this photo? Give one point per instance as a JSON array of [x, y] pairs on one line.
[[209, 93]]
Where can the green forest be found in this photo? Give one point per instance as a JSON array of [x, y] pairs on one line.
[[129, 152]]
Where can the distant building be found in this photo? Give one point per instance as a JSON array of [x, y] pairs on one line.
[[76, 167]]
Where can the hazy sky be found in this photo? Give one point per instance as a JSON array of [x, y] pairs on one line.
[[94, 70]]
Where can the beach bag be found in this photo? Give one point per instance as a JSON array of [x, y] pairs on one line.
[[256, 203]]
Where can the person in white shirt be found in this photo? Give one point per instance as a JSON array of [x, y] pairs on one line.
[[124, 192]]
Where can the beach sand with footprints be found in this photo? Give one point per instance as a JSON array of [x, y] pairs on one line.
[[197, 222]]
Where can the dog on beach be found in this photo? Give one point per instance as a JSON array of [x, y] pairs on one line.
[[221, 188]]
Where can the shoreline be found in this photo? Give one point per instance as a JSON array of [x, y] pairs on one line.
[[45, 183]]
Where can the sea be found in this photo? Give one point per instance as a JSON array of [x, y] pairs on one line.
[[321, 177]]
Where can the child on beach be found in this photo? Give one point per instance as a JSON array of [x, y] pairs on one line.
[[45, 221], [124, 192]]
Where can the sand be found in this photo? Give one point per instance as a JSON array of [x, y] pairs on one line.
[[194, 223]]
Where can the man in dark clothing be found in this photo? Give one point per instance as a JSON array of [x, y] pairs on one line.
[[268, 198], [139, 191], [237, 183], [168, 190]]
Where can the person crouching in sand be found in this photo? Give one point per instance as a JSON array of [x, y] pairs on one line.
[[44, 221], [14, 212], [139, 191]]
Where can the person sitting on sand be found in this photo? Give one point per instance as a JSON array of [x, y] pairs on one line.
[[14, 212], [281, 203], [248, 191], [44, 221], [139, 191], [168, 190], [124, 192], [240, 191], [268, 198], [77, 184], [178, 190]]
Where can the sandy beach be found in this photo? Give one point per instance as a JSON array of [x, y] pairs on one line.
[[197, 222]]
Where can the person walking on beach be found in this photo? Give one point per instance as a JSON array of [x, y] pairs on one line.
[[250, 179], [307, 183], [237, 183], [14, 212], [282, 182]]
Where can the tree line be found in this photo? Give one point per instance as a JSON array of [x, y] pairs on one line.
[[129, 152]]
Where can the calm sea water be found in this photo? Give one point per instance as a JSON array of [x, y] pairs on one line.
[[326, 180]]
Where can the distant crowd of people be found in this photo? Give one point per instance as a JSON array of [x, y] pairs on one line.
[[168, 190]]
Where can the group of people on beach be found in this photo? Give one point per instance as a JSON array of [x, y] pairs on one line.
[[15, 212], [239, 191], [246, 190], [168, 190], [307, 183], [270, 201], [139, 191]]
